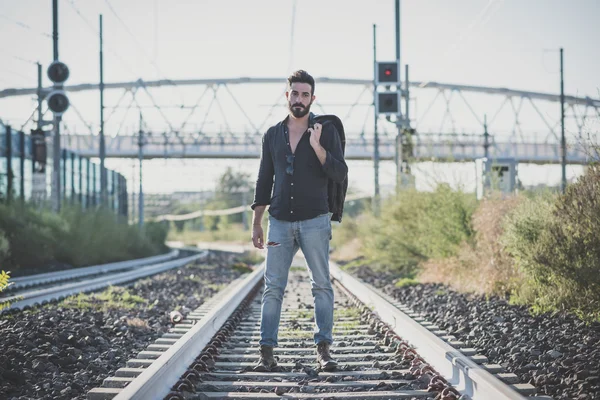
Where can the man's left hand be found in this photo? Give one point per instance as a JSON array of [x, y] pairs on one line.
[[315, 135]]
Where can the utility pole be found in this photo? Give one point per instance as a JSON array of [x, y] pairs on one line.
[[141, 192], [563, 142], [132, 191], [244, 212], [486, 138], [406, 121], [40, 97], [407, 97], [103, 194], [376, 198], [56, 153], [399, 120]]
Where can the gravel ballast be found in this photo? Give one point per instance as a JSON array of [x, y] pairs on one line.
[[558, 354], [62, 350]]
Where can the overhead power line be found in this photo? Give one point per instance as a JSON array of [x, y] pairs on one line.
[[96, 33], [25, 26]]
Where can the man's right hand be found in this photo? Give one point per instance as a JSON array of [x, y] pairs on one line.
[[258, 237]]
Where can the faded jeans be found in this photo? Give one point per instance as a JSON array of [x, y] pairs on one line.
[[312, 236]]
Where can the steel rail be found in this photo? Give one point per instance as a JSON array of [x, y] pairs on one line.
[[41, 296], [181, 349], [461, 372], [156, 381], [50, 277], [13, 92]]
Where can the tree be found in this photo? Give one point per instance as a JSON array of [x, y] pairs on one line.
[[233, 190]]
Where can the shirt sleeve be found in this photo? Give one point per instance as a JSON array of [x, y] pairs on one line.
[[264, 181], [335, 166]]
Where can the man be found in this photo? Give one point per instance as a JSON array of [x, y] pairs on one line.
[[302, 156]]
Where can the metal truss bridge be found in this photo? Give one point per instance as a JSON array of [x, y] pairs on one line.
[[227, 117]]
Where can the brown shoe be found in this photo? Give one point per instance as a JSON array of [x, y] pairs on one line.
[[324, 359], [266, 360]]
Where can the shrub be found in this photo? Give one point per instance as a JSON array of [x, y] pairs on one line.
[[32, 238], [415, 226], [482, 266], [557, 246], [4, 247]]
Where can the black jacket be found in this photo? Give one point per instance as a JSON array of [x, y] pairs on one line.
[[336, 192]]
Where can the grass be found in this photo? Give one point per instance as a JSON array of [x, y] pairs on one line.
[[115, 297], [302, 314], [406, 282], [351, 312], [231, 233]]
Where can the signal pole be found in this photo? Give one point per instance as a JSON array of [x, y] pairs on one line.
[[103, 194], [399, 120], [563, 142], [141, 191], [376, 137], [56, 187]]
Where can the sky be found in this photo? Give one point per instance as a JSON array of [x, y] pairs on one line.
[[499, 43]]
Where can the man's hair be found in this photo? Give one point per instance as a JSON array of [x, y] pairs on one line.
[[301, 76]]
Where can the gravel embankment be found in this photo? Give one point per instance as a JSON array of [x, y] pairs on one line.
[[61, 352], [558, 354]]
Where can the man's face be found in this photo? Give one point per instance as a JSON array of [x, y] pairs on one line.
[[299, 99]]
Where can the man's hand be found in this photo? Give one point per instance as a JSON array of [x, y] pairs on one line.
[[258, 236], [315, 137]]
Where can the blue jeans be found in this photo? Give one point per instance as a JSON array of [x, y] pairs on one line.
[[312, 236]]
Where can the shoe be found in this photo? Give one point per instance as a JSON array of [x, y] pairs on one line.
[[324, 359], [266, 360]]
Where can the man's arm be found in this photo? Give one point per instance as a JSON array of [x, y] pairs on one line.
[[257, 231], [262, 192], [332, 159]]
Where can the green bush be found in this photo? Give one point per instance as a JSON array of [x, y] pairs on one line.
[[76, 237], [415, 226], [4, 247], [33, 236], [557, 246]]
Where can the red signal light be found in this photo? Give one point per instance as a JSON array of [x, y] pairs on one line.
[[388, 72]]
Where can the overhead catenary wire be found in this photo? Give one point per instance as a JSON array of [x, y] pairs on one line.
[[25, 26], [96, 32], [452, 48], [18, 58], [140, 46]]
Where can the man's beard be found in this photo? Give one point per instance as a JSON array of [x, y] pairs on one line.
[[299, 112]]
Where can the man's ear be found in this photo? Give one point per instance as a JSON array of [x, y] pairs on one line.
[[313, 98], [287, 95]]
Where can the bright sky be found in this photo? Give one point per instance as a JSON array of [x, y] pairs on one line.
[[496, 43], [504, 43]]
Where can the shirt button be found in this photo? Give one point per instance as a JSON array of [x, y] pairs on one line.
[[292, 197], [292, 183], [291, 212]]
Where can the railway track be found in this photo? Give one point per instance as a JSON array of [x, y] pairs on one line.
[[40, 289], [383, 352]]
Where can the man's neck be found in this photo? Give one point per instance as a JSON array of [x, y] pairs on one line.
[[299, 123]]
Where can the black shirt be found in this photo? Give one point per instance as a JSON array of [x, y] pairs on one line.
[[303, 194]]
